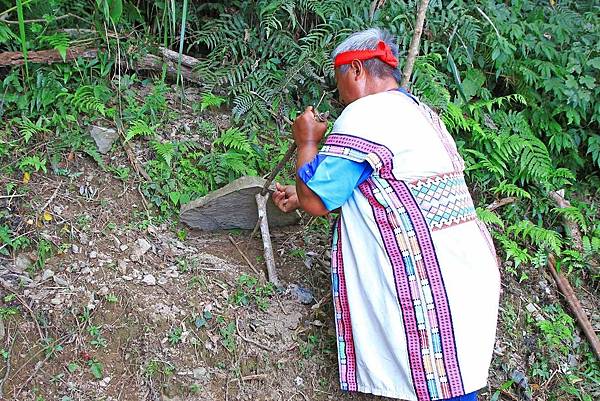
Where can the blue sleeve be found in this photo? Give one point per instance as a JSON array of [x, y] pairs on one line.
[[333, 178]]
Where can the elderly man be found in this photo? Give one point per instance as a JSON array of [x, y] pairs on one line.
[[414, 273]]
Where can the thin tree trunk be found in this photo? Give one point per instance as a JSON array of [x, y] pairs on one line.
[[413, 50]]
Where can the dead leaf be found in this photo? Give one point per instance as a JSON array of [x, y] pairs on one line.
[[47, 216]]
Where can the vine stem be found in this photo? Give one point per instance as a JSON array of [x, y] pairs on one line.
[[413, 50]]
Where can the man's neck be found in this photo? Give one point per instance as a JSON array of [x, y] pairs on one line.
[[377, 85]]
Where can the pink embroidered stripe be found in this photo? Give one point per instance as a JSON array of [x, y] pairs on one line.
[[383, 154], [350, 374], [403, 292], [437, 285]]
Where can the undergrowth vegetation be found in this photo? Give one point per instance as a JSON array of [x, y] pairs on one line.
[[514, 81]]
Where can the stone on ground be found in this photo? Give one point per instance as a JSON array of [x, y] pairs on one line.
[[233, 206], [104, 138]]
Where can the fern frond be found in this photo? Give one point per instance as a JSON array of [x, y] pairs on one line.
[[573, 214], [489, 217], [539, 236], [28, 128], [165, 151], [138, 128], [85, 100], [235, 139], [513, 250], [59, 41], [508, 189]]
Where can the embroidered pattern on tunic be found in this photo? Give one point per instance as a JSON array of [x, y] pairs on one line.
[[419, 285], [343, 325], [360, 150], [444, 200], [420, 290]]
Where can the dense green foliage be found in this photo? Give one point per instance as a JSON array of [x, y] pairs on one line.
[[515, 82]]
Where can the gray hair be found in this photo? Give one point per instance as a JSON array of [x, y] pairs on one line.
[[366, 40]]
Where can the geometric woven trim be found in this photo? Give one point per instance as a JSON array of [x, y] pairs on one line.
[[444, 199]]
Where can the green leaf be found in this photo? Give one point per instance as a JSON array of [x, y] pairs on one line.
[[115, 10], [22, 35], [595, 62], [588, 81], [200, 322], [72, 367], [456, 75], [174, 196], [96, 369]]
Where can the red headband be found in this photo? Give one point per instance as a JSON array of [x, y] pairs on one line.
[[382, 52]]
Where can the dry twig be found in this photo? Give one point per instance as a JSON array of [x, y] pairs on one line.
[[249, 340], [243, 255], [501, 202], [26, 306], [7, 371]]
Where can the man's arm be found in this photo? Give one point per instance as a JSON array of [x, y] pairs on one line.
[[307, 134], [309, 201]]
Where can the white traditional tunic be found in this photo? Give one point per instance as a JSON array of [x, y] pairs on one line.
[[414, 272]]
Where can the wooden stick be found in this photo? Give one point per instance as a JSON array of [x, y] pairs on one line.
[[567, 291], [413, 50], [375, 5], [286, 158], [261, 203]]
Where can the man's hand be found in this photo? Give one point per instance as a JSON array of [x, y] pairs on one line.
[[307, 130], [285, 197]]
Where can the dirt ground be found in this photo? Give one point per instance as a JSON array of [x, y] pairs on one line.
[[127, 308]]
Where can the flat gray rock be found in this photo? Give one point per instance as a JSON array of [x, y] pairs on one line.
[[104, 138], [233, 206]]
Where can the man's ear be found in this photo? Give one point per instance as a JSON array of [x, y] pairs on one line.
[[357, 68]]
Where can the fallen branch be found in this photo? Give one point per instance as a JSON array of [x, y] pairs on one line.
[[500, 202], [45, 56], [260, 376], [567, 291], [149, 62], [155, 63], [413, 50], [186, 61]]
